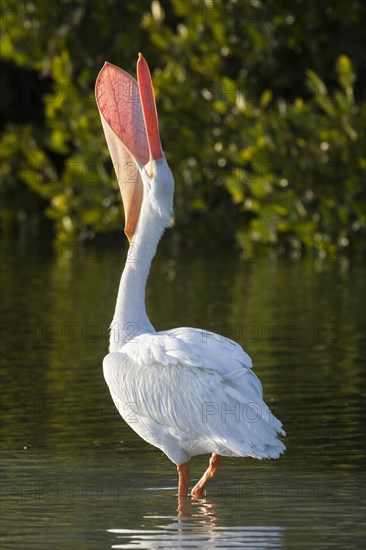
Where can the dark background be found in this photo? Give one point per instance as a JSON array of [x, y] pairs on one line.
[[261, 107]]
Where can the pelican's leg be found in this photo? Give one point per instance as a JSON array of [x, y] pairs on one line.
[[184, 479], [198, 489]]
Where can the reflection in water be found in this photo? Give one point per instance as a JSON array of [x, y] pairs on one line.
[[72, 469], [197, 525]]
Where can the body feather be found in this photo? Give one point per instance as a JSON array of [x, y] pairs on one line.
[[192, 392]]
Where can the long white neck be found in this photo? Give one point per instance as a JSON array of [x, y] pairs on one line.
[[130, 317]]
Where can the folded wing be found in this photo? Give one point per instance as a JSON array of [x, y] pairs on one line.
[[196, 391]]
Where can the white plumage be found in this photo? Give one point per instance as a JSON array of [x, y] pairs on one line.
[[191, 392], [186, 391]]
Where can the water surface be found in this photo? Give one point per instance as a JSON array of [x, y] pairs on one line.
[[75, 476]]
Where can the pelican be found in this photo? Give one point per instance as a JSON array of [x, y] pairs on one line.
[[186, 391]]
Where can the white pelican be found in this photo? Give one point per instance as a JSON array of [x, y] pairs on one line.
[[186, 391]]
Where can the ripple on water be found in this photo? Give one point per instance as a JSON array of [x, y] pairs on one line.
[[74, 471]]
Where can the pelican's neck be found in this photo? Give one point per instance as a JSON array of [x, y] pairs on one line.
[[130, 317]]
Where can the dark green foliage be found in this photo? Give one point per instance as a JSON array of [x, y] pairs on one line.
[[260, 104]]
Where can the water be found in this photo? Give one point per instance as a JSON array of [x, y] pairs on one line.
[[75, 476]]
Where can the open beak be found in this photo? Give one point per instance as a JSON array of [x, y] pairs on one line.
[[128, 113]]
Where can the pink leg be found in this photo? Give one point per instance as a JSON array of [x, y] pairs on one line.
[[184, 479], [198, 489]]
